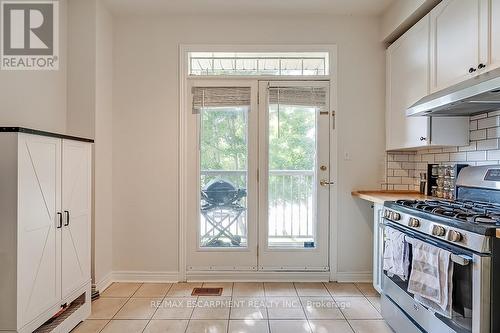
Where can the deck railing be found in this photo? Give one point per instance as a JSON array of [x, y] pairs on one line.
[[290, 204]]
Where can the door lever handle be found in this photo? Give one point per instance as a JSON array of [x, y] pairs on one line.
[[324, 182], [67, 218]]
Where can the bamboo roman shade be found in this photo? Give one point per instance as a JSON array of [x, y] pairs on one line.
[[299, 96], [212, 97]]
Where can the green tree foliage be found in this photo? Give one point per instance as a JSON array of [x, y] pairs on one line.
[[292, 138], [292, 141]]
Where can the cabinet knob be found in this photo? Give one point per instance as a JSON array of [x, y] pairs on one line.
[[481, 66], [472, 70], [423, 138]]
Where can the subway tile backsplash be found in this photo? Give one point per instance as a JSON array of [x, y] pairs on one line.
[[404, 167]]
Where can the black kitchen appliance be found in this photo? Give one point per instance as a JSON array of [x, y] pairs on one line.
[[222, 206]]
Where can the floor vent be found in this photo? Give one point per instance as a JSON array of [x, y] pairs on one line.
[[206, 292]]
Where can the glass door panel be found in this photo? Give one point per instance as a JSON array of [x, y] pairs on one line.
[[292, 165], [223, 175]]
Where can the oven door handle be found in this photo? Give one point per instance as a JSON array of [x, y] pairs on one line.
[[460, 259]]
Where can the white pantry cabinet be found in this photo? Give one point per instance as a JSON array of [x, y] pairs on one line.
[[45, 202], [408, 65], [459, 41]]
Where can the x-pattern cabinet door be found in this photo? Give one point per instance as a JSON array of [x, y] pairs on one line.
[[76, 210], [39, 241]]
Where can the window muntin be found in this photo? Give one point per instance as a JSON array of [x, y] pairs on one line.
[[259, 63]]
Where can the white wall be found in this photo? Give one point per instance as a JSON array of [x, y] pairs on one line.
[[89, 114], [103, 150], [81, 67], [37, 99], [145, 125]]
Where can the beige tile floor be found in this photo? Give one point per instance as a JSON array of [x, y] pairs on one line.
[[242, 308]]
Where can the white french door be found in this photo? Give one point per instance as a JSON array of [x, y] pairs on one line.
[[257, 153], [293, 163], [222, 175]]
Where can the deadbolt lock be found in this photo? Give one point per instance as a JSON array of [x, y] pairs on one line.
[[323, 168]]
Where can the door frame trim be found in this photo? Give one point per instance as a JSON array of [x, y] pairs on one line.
[[184, 49]]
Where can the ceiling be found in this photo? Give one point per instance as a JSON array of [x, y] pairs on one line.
[[244, 7]]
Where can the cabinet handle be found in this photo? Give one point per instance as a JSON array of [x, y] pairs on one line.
[[59, 225], [67, 218], [481, 66], [472, 70], [423, 138]]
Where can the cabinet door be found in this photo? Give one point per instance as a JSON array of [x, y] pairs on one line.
[[39, 241], [495, 35], [407, 82], [76, 204], [378, 247], [459, 41]]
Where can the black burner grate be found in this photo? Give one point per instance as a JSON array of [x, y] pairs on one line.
[[466, 211]]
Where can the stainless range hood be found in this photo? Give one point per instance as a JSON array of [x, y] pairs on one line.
[[474, 96]]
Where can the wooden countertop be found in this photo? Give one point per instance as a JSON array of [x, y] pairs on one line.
[[381, 196]]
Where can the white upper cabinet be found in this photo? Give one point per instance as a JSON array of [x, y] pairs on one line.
[[459, 41], [408, 81], [495, 35]]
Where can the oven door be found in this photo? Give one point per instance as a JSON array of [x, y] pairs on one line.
[[471, 291]]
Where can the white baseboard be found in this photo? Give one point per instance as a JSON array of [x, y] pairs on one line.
[[256, 276], [230, 276], [145, 276], [354, 276], [104, 283]]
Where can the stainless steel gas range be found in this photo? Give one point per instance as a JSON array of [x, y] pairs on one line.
[[466, 228]]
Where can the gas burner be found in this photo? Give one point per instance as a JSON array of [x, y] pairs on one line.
[[464, 211], [407, 203], [486, 219]]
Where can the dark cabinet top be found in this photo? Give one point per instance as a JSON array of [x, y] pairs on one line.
[[44, 133]]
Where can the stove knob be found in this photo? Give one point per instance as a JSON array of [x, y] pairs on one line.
[[396, 216], [455, 236], [438, 230], [413, 222]]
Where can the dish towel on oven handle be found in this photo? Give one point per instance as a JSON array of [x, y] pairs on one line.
[[396, 254], [431, 277]]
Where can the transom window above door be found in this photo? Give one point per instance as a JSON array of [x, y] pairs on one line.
[[259, 63]]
